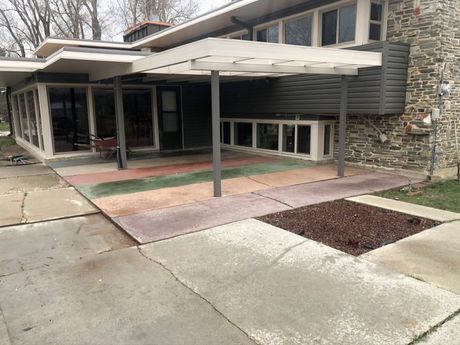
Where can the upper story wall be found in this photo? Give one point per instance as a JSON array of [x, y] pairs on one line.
[[380, 90]]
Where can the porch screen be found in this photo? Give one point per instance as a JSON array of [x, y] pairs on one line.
[[69, 115]]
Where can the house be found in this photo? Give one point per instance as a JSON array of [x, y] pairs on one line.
[[354, 80]]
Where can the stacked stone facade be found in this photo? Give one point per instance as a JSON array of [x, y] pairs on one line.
[[431, 28]]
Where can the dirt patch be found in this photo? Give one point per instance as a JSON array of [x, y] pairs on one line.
[[347, 226]]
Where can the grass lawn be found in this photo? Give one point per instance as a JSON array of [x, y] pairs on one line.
[[6, 141], [4, 126], [444, 195]]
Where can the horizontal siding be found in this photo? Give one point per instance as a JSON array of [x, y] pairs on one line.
[[196, 115], [374, 91]]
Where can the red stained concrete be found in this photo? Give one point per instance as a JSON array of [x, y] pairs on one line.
[[160, 224], [131, 174]]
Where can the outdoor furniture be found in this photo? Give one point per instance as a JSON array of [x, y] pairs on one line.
[[18, 160], [106, 147]]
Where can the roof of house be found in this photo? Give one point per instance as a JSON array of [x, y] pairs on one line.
[[148, 22], [187, 31]]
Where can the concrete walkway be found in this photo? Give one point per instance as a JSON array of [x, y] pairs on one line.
[[407, 208], [432, 256], [169, 222], [244, 283]]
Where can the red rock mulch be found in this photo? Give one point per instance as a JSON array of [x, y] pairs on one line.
[[347, 226]]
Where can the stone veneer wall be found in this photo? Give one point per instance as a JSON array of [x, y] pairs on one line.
[[431, 27]]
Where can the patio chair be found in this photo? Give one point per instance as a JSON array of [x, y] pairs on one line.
[[18, 160], [106, 147]]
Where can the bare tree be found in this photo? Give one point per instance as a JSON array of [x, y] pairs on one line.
[[170, 11], [27, 23], [95, 21]]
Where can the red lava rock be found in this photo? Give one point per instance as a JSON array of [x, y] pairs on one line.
[[347, 226]]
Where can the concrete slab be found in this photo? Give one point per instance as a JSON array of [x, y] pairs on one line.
[[4, 336], [447, 334], [123, 205], [45, 244], [31, 183], [11, 209], [54, 204], [170, 222], [24, 170], [119, 297], [407, 208], [282, 289], [432, 256], [314, 193]]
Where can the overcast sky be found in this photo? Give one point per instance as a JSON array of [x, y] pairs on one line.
[[207, 5]]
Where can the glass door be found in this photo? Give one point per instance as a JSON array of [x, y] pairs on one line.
[[170, 118]]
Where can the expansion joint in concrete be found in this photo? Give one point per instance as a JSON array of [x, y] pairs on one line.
[[2, 317], [198, 295], [425, 335], [278, 201], [23, 217]]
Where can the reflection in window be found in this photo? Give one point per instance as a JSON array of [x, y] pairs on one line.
[[375, 29], [244, 37], [243, 134], [298, 31], [104, 110], [39, 119], [339, 26], [23, 117], [289, 138], [304, 139], [137, 105], [270, 34], [18, 116], [267, 136], [70, 119], [327, 140], [225, 133], [32, 118]]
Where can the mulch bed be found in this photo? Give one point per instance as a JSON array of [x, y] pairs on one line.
[[348, 226]]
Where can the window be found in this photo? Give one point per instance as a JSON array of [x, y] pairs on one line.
[[244, 37], [137, 104], [39, 119], [267, 136], [243, 134], [339, 26], [304, 139], [23, 117], [225, 133], [375, 28], [327, 140], [289, 138], [33, 118], [270, 34], [104, 111], [298, 31], [69, 115]]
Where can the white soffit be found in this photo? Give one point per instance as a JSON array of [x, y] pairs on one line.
[[249, 58]]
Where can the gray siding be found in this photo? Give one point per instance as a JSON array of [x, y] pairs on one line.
[[375, 91], [196, 115]]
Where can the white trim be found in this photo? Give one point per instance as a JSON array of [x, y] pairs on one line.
[[48, 141], [91, 113], [38, 116]]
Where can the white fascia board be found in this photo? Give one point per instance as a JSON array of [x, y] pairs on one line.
[[20, 66], [76, 43]]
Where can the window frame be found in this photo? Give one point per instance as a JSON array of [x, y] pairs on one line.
[[382, 21], [314, 25], [337, 8]]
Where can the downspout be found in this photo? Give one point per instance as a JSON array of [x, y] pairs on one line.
[[244, 25]]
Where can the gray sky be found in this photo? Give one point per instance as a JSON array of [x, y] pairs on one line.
[[207, 5]]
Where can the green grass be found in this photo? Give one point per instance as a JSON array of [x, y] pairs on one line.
[[6, 141], [4, 126], [444, 195]]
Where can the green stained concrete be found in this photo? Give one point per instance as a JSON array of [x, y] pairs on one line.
[[141, 185]]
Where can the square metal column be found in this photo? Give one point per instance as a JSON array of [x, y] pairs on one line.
[[216, 154], [342, 125], [120, 120]]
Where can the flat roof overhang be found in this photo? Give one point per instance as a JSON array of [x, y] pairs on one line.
[[67, 60], [248, 59]]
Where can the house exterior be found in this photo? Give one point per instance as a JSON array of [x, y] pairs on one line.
[[68, 93]]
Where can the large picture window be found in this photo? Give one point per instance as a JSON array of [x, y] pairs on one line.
[[298, 31], [69, 114], [34, 135], [137, 105], [304, 139], [243, 134], [23, 117], [339, 26], [104, 110], [289, 138], [267, 136], [270, 34]]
